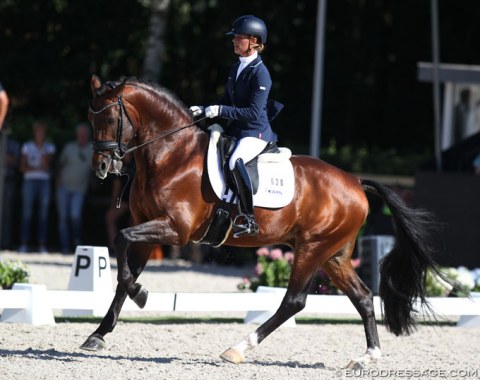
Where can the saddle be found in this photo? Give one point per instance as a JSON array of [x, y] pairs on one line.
[[226, 146], [271, 174]]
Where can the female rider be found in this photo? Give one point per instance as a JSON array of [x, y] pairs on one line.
[[245, 104]]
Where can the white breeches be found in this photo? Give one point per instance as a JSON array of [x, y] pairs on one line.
[[247, 149]]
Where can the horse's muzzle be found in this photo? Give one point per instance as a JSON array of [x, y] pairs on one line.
[[108, 165], [102, 171]]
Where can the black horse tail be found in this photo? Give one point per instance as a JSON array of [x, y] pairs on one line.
[[403, 271]]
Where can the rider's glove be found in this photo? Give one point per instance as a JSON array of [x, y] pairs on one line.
[[196, 110], [212, 111]]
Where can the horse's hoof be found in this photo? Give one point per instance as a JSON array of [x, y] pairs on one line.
[[233, 356], [94, 342], [355, 366], [141, 297]]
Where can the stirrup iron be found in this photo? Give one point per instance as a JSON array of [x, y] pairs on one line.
[[245, 225]]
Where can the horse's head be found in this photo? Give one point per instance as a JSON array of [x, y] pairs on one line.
[[112, 126]]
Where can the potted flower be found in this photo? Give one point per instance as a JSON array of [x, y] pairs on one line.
[[273, 270], [13, 272], [462, 283], [272, 273]]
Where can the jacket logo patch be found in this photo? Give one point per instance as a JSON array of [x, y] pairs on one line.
[[262, 88]]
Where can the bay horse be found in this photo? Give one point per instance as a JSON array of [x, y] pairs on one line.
[[172, 203]]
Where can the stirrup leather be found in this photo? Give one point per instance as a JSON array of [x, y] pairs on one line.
[[245, 225]]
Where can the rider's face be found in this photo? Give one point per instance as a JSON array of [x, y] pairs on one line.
[[241, 44]]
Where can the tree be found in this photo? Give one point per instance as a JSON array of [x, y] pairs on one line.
[[155, 48]]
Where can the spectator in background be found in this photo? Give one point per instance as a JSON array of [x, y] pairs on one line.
[[10, 151], [73, 175], [463, 116], [10, 190], [35, 163], [4, 101]]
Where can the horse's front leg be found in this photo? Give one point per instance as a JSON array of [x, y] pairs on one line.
[[137, 260], [129, 268], [96, 341], [125, 275], [158, 231]]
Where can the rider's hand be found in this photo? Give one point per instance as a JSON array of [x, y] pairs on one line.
[[212, 111], [196, 110]]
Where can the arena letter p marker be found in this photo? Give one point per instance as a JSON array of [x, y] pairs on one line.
[[91, 272]]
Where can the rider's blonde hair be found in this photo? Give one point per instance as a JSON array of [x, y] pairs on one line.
[[259, 47]]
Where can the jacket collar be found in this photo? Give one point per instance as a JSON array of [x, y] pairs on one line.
[[247, 60], [247, 68]]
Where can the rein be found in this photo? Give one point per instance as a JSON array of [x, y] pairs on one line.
[[168, 133]]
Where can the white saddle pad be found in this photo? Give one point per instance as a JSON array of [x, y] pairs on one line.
[[275, 172]]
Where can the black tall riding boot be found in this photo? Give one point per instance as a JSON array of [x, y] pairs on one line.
[[244, 223]]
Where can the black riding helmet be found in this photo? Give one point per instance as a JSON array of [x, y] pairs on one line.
[[249, 25]]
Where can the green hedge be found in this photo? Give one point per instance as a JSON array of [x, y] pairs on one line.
[[373, 160]]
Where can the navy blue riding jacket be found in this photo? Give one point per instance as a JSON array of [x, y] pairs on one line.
[[245, 102]]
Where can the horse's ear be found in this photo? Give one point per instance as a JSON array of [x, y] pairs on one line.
[[119, 89], [95, 83]]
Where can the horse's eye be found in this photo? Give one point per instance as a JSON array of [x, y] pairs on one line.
[[110, 121]]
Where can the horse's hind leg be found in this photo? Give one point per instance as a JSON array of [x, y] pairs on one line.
[[340, 270], [136, 264], [294, 301]]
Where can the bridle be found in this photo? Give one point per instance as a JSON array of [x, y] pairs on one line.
[[117, 148]]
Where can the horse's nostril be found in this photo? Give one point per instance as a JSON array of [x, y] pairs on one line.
[[103, 166]]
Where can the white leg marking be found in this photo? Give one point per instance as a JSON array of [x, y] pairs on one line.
[[249, 343], [375, 353], [372, 354]]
